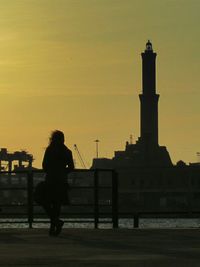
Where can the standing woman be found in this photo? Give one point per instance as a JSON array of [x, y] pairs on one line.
[[57, 163]]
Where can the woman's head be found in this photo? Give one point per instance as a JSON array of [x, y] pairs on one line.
[[57, 137]]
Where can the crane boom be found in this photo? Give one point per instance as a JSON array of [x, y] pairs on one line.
[[79, 156]]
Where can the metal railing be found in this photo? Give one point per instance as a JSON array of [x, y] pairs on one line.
[[30, 205], [189, 185]]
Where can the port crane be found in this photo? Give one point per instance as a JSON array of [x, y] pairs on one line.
[[79, 156]]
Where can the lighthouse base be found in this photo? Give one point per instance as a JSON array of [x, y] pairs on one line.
[[140, 156], [136, 155]]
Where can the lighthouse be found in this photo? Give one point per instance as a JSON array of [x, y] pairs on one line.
[[149, 100], [146, 152]]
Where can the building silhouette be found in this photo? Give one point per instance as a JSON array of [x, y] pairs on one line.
[[146, 151], [22, 158]]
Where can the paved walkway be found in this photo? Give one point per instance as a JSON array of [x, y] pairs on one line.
[[83, 247]]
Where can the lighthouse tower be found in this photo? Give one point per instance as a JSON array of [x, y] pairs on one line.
[[149, 100]]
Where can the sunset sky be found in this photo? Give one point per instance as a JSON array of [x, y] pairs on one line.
[[75, 65]]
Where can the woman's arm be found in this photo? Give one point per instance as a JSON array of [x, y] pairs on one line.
[[70, 162]]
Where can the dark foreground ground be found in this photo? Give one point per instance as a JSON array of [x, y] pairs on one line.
[[83, 247]]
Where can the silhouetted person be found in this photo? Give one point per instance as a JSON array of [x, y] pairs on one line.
[[57, 163]]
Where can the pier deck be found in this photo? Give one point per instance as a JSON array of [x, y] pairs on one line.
[[88, 247]]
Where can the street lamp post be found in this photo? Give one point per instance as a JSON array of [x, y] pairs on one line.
[[97, 148]]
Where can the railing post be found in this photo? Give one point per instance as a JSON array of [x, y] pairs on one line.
[[30, 198], [189, 194], [136, 220], [96, 199], [115, 199]]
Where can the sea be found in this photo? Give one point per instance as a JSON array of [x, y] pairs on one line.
[[106, 224]]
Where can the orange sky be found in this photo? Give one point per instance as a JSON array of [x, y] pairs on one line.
[[75, 65]]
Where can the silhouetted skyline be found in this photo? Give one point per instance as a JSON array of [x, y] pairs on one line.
[[74, 65]]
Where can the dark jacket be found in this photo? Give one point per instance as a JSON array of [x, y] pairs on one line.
[[57, 162]]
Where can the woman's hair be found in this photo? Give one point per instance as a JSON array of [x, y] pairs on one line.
[[57, 137]]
